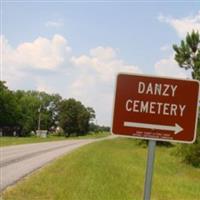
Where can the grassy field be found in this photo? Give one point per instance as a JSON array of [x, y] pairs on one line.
[[109, 170], [6, 141]]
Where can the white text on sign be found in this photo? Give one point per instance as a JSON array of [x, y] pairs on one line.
[[152, 107]]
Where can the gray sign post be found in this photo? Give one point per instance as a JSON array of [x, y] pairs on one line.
[[149, 169]]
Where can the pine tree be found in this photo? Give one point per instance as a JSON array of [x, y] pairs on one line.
[[188, 54], [188, 57]]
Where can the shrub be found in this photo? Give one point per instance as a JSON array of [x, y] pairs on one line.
[[190, 153]]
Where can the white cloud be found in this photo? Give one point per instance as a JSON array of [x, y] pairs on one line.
[[96, 78], [104, 62], [103, 53], [10, 73], [42, 86], [183, 25], [22, 65], [49, 65], [54, 23], [169, 67], [42, 53], [82, 86]]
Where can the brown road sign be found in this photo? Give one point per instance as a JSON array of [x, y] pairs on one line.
[[156, 108]]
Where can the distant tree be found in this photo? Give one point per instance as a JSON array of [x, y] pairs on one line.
[[3, 86], [33, 102], [188, 54], [25, 108], [49, 105], [91, 111], [28, 105], [9, 110], [74, 117], [188, 57], [97, 128]]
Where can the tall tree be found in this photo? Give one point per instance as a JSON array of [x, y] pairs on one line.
[[188, 57], [48, 108], [33, 104], [28, 105], [9, 110], [74, 117], [91, 112], [188, 54]]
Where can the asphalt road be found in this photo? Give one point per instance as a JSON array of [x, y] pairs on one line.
[[20, 160]]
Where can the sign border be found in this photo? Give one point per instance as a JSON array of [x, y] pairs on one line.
[[161, 77]]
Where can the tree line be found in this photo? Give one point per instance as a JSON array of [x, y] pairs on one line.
[[28, 111]]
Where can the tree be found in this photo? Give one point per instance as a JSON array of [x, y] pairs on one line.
[[25, 109], [34, 103], [9, 110], [74, 117], [48, 109], [28, 105], [188, 57], [91, 112], [188, 54], [97, 128]]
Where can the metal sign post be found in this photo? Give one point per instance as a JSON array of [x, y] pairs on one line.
[[149, 169], [155, 109]]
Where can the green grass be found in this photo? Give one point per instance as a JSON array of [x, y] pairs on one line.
[[6, 141], [109, 170]]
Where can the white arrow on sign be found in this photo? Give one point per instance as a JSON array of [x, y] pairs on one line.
[[176, 128]]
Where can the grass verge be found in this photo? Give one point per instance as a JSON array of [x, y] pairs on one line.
[[109, 170], [7, 141]]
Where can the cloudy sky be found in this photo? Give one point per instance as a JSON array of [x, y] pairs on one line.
[[77, 48]]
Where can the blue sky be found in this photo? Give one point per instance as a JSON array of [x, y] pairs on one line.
[[76, 49]]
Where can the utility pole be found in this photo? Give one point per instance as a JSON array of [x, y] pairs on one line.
[[39, 117]]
